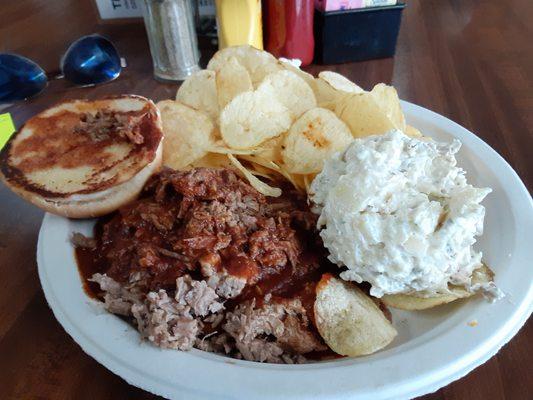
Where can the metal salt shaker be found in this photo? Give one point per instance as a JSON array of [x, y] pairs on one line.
[[172, 38]]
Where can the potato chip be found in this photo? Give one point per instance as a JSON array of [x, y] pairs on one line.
[[274, 169], [314, 137], [387, 99], [212, 160], [228, 150], [326, 96], [412, 131], [265, 173], [297, 180], [252, 118], [258, 63], [291, 91], [260, 170], [348, 320], [221, 148], [271, 149], [199, 92], [259, 185], [339, 82], [331, 87], [482, 275], [420, 301], [262, 162], [289, 66], [307, 180], [188, 134], [363, 115], [231, 79], [414, 303]]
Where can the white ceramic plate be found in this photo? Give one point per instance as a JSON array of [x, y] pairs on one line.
[[433, 347]]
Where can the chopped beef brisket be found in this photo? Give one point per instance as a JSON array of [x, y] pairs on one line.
[[203, 259]]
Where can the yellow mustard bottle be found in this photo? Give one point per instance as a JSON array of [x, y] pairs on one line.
[[239, 22]]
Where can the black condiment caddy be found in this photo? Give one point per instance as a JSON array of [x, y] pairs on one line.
[[356, 35]]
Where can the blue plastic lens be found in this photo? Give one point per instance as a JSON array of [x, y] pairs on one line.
[[90, 60], [20, 78]]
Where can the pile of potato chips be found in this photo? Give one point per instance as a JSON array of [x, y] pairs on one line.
[[267, 118]]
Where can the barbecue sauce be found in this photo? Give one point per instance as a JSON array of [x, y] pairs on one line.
[[90, 262], [88, 265]]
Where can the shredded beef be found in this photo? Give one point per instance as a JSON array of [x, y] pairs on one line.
[[226, 285], [284, 320], [118, 298], [165, 322], [198, 259], [196, 294], [80, 240], [210, 223], [103, 124], [168, 321]]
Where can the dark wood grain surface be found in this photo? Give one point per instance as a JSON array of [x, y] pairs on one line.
[[470, 60]]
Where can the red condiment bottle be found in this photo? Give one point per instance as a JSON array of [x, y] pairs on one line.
[[289, 29]]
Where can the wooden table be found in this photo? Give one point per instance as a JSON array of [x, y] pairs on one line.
[[470, 60]]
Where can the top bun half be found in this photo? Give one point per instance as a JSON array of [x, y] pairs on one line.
[[84, 158]]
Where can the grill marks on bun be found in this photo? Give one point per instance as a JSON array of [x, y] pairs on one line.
[[85, 153]]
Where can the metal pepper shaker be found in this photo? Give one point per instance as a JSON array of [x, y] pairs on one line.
[[172, 38]]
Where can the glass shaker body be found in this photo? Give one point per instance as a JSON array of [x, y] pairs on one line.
[[172, 38]]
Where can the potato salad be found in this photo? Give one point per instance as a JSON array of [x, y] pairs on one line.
[[397, 212]]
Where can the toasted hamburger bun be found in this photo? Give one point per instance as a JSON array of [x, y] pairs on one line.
[[82, 159]]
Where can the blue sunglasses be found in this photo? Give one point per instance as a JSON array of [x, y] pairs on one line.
[[90, 60]]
